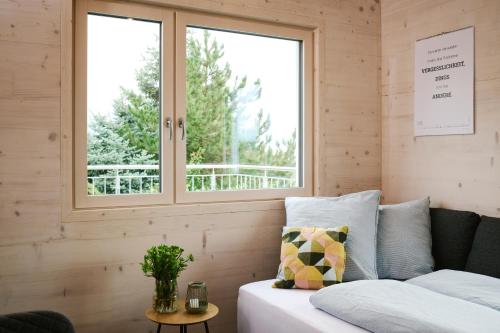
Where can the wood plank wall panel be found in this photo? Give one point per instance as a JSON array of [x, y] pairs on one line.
[[87, 266], [350, 117], [461, 172]]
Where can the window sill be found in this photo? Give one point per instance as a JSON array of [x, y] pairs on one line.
[[151, 212]]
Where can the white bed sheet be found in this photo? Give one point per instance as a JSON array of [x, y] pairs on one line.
[[263, 309]]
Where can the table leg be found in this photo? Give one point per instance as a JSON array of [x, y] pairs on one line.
[[158, 329], [206, 327]]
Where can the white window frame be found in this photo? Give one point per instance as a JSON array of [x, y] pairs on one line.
[[183, 20], [158, 14], [173, 105]]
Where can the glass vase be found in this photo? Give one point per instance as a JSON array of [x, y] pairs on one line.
[[196, 297], [165, 299]]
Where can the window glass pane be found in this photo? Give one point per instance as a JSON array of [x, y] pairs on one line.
[[243, 111], [123, 106]]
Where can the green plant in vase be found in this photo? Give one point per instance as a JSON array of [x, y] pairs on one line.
[[165, 263]]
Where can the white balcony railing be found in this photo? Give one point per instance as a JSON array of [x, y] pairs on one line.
[[133, 179]]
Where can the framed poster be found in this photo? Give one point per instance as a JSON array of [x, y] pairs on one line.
[[444, 84]]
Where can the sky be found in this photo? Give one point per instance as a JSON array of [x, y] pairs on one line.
[[114, 53], [116, 47]]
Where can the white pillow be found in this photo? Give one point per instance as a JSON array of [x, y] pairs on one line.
[[404, 240], [359, 211]]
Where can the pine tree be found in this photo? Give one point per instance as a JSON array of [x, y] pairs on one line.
[[137, 114], [211, 102], [106, 146]]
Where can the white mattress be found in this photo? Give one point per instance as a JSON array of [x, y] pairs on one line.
[[263, 309]]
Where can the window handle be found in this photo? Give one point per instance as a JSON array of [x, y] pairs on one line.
[[181, 124], [168, 124]]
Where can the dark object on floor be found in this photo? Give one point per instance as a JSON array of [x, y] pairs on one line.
[[35, 322]]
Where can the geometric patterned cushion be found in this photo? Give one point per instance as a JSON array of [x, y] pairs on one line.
[[312, 258]]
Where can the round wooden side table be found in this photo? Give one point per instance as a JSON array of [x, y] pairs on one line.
[[182, 318]]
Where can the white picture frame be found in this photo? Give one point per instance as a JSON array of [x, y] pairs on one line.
[[444, 84]]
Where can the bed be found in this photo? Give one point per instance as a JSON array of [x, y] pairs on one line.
[[465, 250], [264, 309]]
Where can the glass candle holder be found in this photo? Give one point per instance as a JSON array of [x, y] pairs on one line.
[[196, 297]]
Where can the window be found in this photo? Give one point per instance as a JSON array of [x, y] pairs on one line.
[[123, 98], [235, 125], [247, 137], [123, 106], [244, 93]]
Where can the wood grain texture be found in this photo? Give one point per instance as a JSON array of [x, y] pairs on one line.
[[86, 265], [457, 171]]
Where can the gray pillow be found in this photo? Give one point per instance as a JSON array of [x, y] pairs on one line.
[[404, 249], [359, 211]]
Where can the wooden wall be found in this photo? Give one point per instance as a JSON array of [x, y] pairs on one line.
[[87, 266], [459, 171]]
